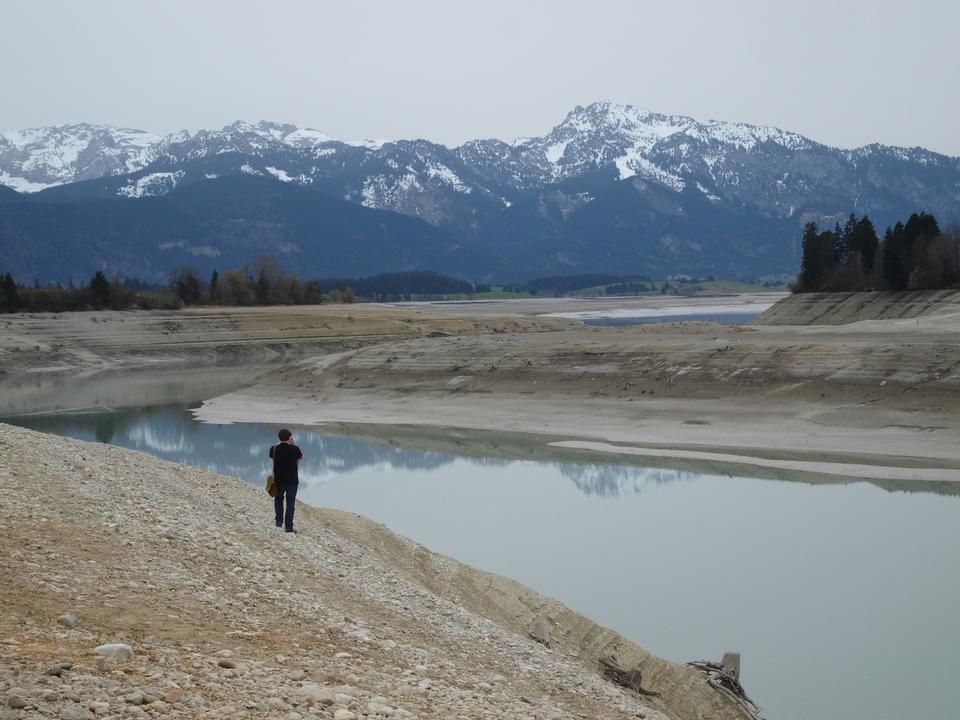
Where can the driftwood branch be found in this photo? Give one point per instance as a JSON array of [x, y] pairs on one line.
[[630, 678], [725, 681]]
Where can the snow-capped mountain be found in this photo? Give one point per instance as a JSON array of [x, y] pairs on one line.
[[605, 135], [38, 158], [779, 172], [610, 188]]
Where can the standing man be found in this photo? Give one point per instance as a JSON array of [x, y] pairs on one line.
[[286, 457]]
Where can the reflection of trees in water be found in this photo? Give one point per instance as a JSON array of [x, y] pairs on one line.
[[616, 480], [339, 454], [241, 450]]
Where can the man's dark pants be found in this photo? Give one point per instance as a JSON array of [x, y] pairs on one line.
[[290, 491]]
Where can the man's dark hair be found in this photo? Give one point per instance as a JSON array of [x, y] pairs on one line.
[[284, 435]]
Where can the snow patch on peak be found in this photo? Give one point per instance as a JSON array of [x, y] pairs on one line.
[[306, 138], [279, 174], [448, 177], [284, 176], [37, 158], [368, 144], [635, 164], [381, 192], [555, 152], [709, 195], [152, 185], [21, 184], [747, 137]]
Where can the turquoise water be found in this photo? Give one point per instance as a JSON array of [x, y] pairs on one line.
[[843, 599]]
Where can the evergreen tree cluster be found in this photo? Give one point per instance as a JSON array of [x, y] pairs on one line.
[[263, 282], [100, 293], [913, 256]]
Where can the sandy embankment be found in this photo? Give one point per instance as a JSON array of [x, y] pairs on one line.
[[876, 399], [106, 340], [229, 617]]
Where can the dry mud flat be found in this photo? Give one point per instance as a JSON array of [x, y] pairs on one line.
[[228, 617], [876, 399], [104, 340]]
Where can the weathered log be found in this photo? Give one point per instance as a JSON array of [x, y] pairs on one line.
[[723, 677], [630, 678], [731, 664]]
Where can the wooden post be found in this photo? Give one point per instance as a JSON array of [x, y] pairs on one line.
[[731, 664]]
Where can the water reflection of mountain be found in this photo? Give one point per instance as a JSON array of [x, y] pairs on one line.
[[240, 450], [170, 432], [616, 480]]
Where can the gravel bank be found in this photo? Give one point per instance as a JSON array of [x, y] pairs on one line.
[[842, 308], [225, 616]]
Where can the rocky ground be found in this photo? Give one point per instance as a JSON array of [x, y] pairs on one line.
[[209, 611]]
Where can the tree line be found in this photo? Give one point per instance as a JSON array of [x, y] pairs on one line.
[[914, 255], [99, 293], [266, 282], [263, 282]]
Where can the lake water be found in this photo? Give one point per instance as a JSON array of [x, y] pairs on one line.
[[843, 599], [726, 318]]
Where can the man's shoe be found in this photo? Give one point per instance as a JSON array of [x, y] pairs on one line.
[[290, 530], [279, 524]]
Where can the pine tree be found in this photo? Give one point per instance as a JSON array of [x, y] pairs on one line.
[[819, 257], [839, 246], [865, 242], [185, 284], [9, 296], [847, 242], [215, 287], [100, 287], [896, 258], [810, 268], [262, 287]]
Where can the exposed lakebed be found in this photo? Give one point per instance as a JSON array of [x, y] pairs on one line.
[[815, 584]]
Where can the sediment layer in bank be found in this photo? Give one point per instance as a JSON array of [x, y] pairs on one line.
[[103, 340]]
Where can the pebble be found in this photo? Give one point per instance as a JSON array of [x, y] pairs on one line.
[[69, 620], [76, 712], [17, 702], [342, 714], [117, 651]]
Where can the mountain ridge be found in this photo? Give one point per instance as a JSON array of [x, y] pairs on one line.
[[145, 147], [611, 188]]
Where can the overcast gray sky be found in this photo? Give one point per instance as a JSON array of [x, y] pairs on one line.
[[843, 73]]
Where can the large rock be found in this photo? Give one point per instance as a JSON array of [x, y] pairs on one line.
[[115, 651]]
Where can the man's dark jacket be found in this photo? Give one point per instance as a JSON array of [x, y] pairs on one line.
[[285, 459]]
